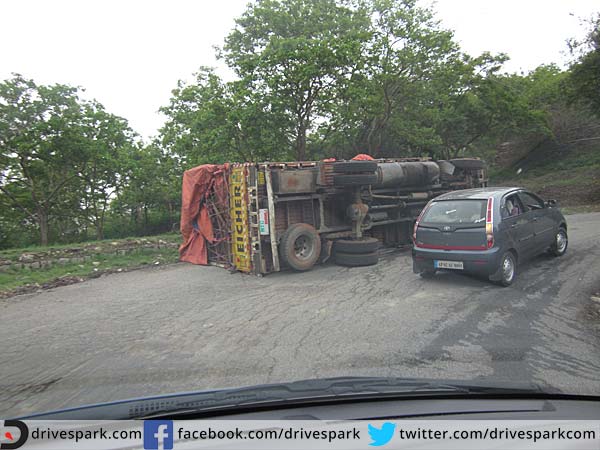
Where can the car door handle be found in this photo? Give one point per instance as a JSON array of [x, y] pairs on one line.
[[514, 225], [535, 219]]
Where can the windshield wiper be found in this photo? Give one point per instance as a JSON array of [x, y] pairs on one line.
[[335, 390], [306, 392]]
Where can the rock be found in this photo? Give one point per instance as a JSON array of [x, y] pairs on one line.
[[63, 261], [98, 249], [156, 263], [35, 265], [26, 257], [96, 263]]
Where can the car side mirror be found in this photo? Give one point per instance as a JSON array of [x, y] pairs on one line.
[[550, 203]]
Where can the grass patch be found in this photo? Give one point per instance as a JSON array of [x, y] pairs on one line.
[[19, 279], [89, 246], [576, 187]]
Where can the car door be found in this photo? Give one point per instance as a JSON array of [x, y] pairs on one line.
[[518, 225], [543, 223]]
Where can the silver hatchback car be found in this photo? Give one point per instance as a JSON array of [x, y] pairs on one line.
[[486, 231]]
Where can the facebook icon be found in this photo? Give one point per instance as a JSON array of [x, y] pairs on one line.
[[158, 434]]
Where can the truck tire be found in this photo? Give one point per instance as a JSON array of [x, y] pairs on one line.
[[357, 246], [356, 260], [468, 163], [354, 179], [354, 166], [300, 246]]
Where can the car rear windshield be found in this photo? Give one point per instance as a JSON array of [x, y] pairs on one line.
[[456, 212]]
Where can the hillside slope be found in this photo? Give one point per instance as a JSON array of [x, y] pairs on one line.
[[568, 173]]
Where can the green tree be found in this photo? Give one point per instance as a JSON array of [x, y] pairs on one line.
[[107, 144], [412, 84], [40, 145], [298, 55], [61, 156], [209, 121], [153, 184], [585, 72]]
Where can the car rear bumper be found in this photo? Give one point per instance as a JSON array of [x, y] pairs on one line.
[[484, 262]]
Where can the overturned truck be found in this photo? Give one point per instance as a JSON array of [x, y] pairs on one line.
[[265, 217]]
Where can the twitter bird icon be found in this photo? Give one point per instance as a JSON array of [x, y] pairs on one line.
[[383, 435]]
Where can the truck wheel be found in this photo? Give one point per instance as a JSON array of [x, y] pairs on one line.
[[354, 166], [357, 246], [356, 260], [354, 179], [300, 246], [468, 163]]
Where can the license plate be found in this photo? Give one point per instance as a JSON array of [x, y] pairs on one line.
[[458, 265]]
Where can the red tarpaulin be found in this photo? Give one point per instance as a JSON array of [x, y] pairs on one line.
[[196, 226], [362, 157]]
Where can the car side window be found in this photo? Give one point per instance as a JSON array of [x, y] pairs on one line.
[[530, 201], [512, 207]]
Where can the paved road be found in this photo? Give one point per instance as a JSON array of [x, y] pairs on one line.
[[186, 327]]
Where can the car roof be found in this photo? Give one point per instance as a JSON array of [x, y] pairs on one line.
[[478, 193]]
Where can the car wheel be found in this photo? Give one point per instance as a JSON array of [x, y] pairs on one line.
[[561, 242], [354, 166], [364, 245], [507, 269], [356, 260], [300, 246], [359, 179]]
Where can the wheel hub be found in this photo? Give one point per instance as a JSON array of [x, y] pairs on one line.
[[508, 268], [302, 247], [561, 242]]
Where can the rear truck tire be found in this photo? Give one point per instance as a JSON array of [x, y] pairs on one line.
[[507, 269], [355, 179], [354, 166], [427, 274], [468, 163], [357, 246], [561, 242], [356, 259], [300, 246]]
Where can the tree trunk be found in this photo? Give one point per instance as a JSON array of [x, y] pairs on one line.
[[43, 221], [301, 143], [145, 220], [100, 230]]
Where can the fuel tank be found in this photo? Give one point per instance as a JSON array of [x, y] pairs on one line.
[[417, 173]]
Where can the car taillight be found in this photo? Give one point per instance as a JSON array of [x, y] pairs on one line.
[[417, 225], [489, 223]]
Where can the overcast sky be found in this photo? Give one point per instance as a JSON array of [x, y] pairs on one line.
[[129, 54]]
